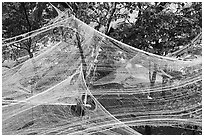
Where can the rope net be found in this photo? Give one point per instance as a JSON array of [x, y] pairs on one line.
[[81, 81]]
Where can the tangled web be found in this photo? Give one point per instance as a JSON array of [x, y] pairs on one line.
[[83, 82]]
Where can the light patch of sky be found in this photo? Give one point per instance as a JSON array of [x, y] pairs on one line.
[[133, 16], [173, 7]]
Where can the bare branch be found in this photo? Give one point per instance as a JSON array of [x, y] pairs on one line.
[[110, 18]]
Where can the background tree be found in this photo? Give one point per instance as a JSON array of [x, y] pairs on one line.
[[23, 17], [97, 14], [161, 28], [157, 27]]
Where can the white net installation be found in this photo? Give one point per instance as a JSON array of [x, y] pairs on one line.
[[84, 82]]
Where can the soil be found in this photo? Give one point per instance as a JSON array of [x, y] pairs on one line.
[[167, 131]]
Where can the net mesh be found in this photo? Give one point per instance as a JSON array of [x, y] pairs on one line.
[[81, 81]]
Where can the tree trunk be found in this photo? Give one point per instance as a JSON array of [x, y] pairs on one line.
[[29, 29], [164, 81], [84, 66], [152, 79], [110, 18]]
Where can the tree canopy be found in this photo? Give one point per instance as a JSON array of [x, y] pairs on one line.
[[157, 27]]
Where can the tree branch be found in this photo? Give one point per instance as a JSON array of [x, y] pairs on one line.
[[26, 15], [110, 18], [84, 66], [29, 29]]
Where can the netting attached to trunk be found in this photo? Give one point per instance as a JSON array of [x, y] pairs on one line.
[[83, 82]]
